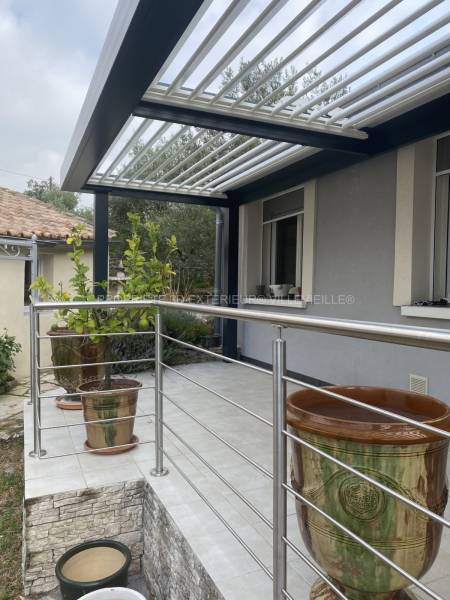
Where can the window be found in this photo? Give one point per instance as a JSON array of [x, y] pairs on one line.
[[441, 274], [44, 267], [283, 239], [26, 284]]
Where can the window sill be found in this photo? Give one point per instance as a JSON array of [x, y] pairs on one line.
[[426, 312], [285, 303]]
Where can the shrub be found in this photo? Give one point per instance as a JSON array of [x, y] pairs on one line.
[[8, 349], [183, 326], [132, 347], [186, 327]]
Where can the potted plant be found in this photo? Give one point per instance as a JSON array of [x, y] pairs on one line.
[[146, 276], [69, 352]]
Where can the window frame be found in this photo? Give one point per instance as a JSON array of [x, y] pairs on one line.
[[436, 174], [273, 243]]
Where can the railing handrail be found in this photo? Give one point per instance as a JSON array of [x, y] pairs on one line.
[[405, 335]]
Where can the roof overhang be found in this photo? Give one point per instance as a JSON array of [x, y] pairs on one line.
[[391, 86]]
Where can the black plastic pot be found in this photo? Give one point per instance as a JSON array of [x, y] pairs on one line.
[[74, 589]]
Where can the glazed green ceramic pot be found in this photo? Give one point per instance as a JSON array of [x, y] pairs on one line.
[[404, 458], [75, 351], [116, 400]]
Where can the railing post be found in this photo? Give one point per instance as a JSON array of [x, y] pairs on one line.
[[159, 469], [279, 465], [34, 296], [37, 451]]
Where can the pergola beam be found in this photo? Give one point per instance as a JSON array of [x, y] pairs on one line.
[[157, 195], [254, 128]]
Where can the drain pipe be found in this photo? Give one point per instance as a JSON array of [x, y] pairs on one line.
[[218, 267]]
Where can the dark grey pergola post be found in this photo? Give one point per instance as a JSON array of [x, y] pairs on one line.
[[100, 242], [218, 267], [231, 259]]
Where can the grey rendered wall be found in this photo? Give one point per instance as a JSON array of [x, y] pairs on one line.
[[354, 255]]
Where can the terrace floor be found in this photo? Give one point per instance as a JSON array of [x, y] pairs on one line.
[[236, 574]]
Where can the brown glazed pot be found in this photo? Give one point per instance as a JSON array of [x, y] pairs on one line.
[[75, 351], [110, 404], [404, 458]]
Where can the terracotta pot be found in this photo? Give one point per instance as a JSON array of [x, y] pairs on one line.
[[75, 351], [409, 460], [110, 404]]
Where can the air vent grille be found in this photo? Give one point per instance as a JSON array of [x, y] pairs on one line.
[[418, 384]]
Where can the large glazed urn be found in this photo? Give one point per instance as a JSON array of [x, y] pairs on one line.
[[407, 459]]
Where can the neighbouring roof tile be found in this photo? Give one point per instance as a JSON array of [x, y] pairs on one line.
[[22, 216]]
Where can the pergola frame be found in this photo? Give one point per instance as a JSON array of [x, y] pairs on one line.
[[264, 146]]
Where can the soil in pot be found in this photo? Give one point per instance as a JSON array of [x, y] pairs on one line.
[[408, 460], [117, 401], [92, 566], [75, 351]]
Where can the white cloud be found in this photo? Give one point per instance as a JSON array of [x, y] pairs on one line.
[[48, 52]]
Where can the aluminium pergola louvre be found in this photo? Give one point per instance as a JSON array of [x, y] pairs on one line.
[[390, 55], [232, 157], [414, 21]]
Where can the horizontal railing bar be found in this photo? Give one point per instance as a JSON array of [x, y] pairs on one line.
[[95, 421], [220, 517], [218, 356], [363, 543], [89, 304], [84, 335], [93, 393], [220, 438], [232, 402], [93, 451], [374, 482], [219, 476], [314, 568], [99, 364], [437, 339], [381, 411]]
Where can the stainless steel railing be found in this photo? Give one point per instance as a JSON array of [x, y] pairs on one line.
[[435, 339]]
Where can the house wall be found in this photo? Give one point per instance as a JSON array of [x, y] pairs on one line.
[[14, 316], [356, 256]]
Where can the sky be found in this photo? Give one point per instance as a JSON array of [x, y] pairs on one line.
[[48, 52]]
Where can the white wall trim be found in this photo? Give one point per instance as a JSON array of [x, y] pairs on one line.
[[426, 312], [404, 211], [413, 223], [282, 302]]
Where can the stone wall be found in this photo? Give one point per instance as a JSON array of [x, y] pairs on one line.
[[53, 524], [130, 512], [171, 568]]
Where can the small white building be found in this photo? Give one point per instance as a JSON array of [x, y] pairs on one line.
[[20, 217]]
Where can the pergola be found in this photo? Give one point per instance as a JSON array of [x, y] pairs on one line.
[[354, 78]]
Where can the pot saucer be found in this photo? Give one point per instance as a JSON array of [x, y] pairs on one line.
[[321, 591], [114, 449], [67, 404]]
